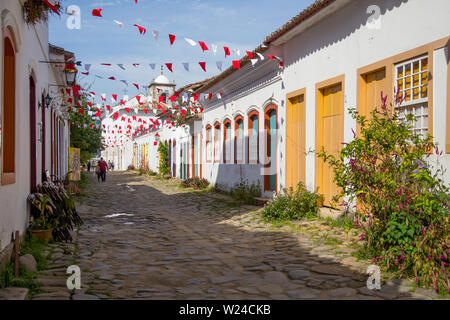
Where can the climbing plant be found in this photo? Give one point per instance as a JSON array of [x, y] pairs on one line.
[[164, 166]]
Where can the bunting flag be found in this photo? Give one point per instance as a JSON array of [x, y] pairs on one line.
[[85, 73], [186, 66], [121, 66], [191, 42], [114, 97], [271, 57], [136, 65], [112, 78], [106, 64], [136, 85], [260, 56], [203, 65], [227, 51], [203, 46], [125, 82], [119, 23], [237, 64], [253, 61], [250, 55], [87, 67], [142, 30], [172, 38], [214, 48], [52, 7], [169, 66], [219, 65], [97, 12], [152, 65], [155, 34]]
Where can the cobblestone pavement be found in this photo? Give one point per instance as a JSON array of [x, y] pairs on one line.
[[148, 239]]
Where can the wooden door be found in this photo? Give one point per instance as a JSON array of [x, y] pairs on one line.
[[295, 141], [330, 133], [374, 83], [33, 140]]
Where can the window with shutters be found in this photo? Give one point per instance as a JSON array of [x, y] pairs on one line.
[[239, 139], [253, 137]]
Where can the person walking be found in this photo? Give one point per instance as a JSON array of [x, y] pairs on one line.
[[89, 166], [112, 166], [103, 168]]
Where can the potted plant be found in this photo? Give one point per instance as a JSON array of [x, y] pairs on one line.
[[43, 223]]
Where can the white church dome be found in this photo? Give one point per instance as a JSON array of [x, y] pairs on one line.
[[162, 79]]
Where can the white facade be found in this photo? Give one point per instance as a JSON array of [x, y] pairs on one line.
[[31, 46]]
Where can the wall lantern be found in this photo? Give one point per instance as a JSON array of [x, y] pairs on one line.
[[71, 74], [157, 137]]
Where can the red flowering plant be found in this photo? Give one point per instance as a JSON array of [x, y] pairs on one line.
[[391, 176]]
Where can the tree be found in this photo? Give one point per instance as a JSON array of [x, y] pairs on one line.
[[83, 132]]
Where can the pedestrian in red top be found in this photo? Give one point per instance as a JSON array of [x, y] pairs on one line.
[[103, 166]]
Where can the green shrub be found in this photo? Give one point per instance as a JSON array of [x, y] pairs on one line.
[[152, 173], [403, 209], [164, 166], [195, 183], [246, 193], [292, 204]]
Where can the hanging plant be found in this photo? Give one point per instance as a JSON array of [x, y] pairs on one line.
[[35, 11]]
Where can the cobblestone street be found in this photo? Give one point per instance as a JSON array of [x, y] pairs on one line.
[[148, 239]]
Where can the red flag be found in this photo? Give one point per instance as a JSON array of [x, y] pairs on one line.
[[169, 66], [161, 99], [210, 96], [114, 97], [136, 85], [142, 30], [203, 65], [112, 78], [106, 64], [122, 102], [108, 107], [227, 51], [173, 98], [237, 64], [195, 97], [203, 46], [145, 111], [68, 91], [97, 12], [164, 111], [270, 57], [172, 39], [85, 73], [127, 110], [52, 7], [138, 98], [250, 55]]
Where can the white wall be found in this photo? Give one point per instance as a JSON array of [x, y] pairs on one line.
[[32, 46]]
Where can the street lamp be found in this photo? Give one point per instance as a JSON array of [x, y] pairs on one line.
[[71, 73], [47, 100]]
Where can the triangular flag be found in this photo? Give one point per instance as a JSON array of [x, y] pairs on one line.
[[155, 34], [237, 64], [253, 61], [97, 12], [203, 65], [52, 7], [191, 42], [124, 81], [142, 30], [169, 66], [121, 66], [250, 55], [136, 85], [227, 51], [186, 66], [214, 48], [219, 65], [203, 46], [87, 67], [152, 65], [172, 38], [119, 23], [260, 56]]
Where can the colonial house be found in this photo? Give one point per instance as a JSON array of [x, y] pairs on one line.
[[334, 55], [34, 132]]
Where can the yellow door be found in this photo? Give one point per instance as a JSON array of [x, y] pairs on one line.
[[295, 141], [374, 83], [330, 136]]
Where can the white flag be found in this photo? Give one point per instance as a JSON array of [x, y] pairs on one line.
[[155, 34], [219, 95], [214, 48], [152, 65], [191, 42], [253, 61], [219, 65], [186, 65], [124, 81], [260, 56], [119, 23], [237, 51], [121, 66]]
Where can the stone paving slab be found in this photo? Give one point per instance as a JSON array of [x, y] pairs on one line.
[[162, 242]]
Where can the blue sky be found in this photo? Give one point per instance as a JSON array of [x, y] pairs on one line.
[[235, 23]]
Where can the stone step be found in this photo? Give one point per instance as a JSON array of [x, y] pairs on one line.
[[14, 294]]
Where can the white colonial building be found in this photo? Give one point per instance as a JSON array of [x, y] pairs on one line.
[[34, 132]]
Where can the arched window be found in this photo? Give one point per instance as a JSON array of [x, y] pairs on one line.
[[227, 141], [8, 111], [239, 139], [270, 127], [217, 142], [209, 142], [253, 137]]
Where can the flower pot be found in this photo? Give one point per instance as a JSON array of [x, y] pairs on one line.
[[42, 235]]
